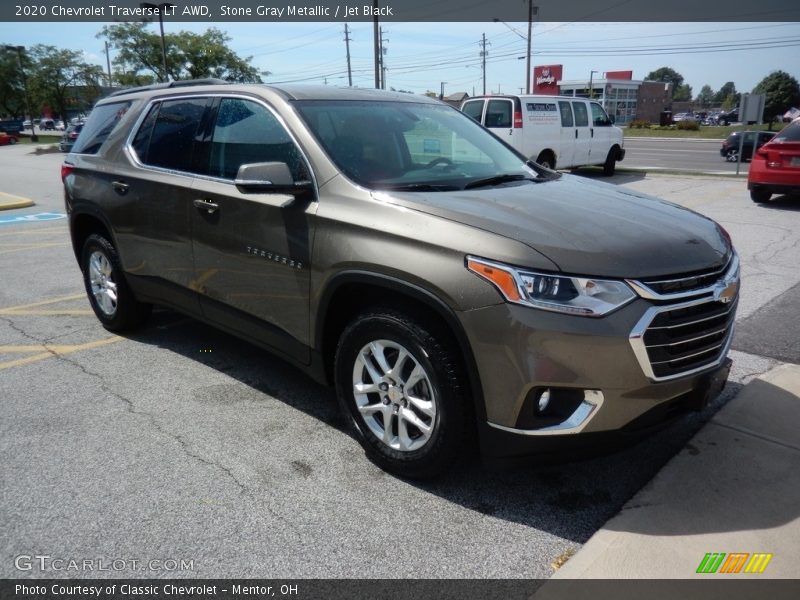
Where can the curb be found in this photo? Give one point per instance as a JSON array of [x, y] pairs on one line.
[[20, 202]]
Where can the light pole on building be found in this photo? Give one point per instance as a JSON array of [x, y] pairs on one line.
[[19, 50], [591, 80], [160, 9]]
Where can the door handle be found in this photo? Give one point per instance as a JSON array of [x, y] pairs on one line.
[[205, 204], [576, 134], [120, 187], [591, 129]]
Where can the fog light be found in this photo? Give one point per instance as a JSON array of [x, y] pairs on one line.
[[543, 402]]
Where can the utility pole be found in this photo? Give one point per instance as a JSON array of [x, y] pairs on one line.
[[483, 61], [377, 45], [441, 93], [532, 10], [108, 64], [347, 45], [383, 59]]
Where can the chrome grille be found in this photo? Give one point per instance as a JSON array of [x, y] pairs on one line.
[[684, 339], [688, 282]]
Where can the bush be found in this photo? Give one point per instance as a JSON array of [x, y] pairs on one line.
[[688, 125], [640, 124]]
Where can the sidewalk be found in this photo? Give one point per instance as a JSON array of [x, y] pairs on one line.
[[735, 488]]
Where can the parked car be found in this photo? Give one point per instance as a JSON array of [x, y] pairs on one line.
[[390, 245], [677, 118], [730, 146], [7, 139], [775, 168], [47, 125], [70, 136], [555, 131], [726, 118]]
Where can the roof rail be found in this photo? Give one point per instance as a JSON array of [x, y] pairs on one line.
[[168, 85]]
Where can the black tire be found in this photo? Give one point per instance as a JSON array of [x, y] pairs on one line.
[[547, 160], [732, 155], [610, 166], [427, 348], [760, 196], [125, 313]]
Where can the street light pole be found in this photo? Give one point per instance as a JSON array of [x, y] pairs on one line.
[[532, 10], [591, 87], [160, 8], [19, 50]]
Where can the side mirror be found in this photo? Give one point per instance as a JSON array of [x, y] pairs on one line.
[[269, 178], [611, 119]]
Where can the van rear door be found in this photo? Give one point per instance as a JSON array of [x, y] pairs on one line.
[[504, 119], [566, 154], [583, 139]]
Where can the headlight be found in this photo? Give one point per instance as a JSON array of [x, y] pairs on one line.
[[585, 296]]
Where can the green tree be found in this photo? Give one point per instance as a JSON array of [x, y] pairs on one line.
[[12, 93], [706, 96], [669, 75], [189, 56], [727, 90], [782, 93], [62, 79], [682, 93]]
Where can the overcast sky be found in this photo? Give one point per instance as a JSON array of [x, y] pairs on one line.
[[422, 55]]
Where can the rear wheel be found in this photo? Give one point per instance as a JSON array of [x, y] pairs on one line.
[[610, 166], [401, 389], [760, 196], [547, 160], [112, 300]]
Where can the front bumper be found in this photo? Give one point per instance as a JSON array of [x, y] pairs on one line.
[[520, 351]]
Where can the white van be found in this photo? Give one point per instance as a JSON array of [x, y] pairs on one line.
[[555, 131]]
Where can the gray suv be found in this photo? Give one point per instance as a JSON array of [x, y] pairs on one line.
[[454, 293]]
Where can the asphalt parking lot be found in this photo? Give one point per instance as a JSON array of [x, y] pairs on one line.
[[181, 443]]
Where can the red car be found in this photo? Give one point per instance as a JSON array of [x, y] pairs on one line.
[[7, 138], [775, 168]]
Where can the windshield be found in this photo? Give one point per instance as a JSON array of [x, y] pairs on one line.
[[415, 147]]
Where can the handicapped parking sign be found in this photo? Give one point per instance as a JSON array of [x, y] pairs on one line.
[[45, 216]]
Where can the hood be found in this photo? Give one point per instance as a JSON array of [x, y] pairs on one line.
[[585, 227]]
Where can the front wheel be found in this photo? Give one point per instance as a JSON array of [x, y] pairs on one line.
[[732, 155], [400, 387], [112, 300], [610, 166]]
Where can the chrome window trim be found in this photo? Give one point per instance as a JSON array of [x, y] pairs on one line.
[[134, 158], [730, 274], [636, 339], [575, 423]]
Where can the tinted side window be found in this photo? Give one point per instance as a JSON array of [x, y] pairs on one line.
[[581, 114], [499, 113], [790, 134], [566, 114], [142, 140], [474, 109], [173, 133], [102, 122], [599, 116], [246, 132]]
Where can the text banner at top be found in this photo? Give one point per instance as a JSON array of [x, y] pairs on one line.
[[400, 10]]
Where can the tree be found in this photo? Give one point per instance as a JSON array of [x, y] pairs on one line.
[[62, 79], [189, 56], [706, 96], [725, 92], [782, 93], [682, 93], [668, 75], [12, 93]]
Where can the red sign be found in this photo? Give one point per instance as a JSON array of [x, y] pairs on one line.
[[546, 78], [628, 75]]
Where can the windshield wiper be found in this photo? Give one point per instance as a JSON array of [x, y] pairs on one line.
[[419, 187], [497, 180]]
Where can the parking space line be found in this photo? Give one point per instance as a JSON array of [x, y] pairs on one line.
[[22, 308], [34, 231], [50, 351], [37, 247]]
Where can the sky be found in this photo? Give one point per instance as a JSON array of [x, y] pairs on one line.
[[420, 56]]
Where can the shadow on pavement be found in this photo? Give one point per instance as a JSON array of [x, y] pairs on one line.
[[567, 499]]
